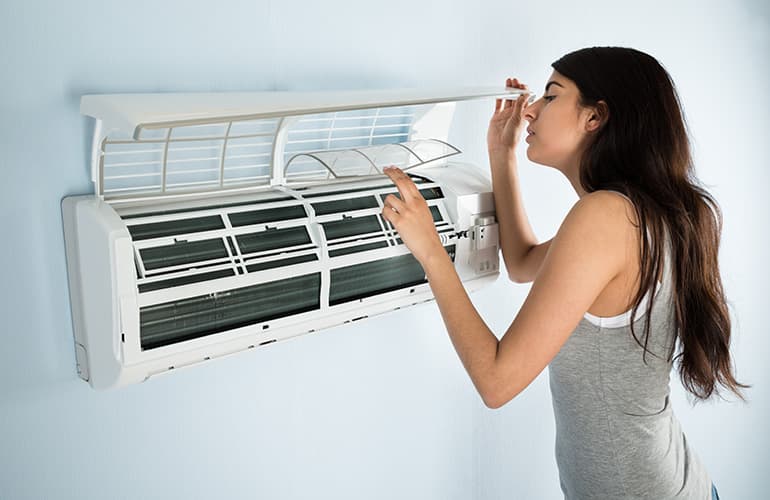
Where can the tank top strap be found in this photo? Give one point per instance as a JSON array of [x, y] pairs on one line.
[[667, 259]]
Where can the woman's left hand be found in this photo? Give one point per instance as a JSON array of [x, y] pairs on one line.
[[411, 217]]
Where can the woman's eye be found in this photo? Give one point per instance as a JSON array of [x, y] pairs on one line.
[[549, 98]]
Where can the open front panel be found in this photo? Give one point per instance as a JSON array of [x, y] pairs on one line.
[[261, 261], [226, 155]]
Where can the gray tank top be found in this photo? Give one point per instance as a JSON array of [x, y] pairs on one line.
[[616, 434]]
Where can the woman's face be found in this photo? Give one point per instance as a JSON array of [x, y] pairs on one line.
[[558, 125]]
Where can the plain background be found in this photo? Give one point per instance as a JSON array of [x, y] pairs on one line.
[[381, 409]]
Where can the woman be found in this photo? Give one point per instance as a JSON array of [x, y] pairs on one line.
[[641, 242]]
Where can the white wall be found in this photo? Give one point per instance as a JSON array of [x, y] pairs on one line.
[[381, 409]]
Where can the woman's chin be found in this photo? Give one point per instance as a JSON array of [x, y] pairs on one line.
[[534, 158]]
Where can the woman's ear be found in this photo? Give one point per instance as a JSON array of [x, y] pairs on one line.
[[597, 117]]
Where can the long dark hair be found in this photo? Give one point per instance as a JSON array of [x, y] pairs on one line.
[[643, 151]]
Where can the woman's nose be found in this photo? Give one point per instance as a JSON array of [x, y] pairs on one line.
[[530, 113]]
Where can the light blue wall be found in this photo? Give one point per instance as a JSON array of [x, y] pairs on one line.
[[381, 409]]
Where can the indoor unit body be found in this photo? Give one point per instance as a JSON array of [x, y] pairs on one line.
[[225, 222]]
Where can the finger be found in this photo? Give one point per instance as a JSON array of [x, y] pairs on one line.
[[524, 106], [521, 104], [405, 185], [510, 83], [498, 105], [520, 86], [395, 204], [391, 216], [410, 186], [395, 176]]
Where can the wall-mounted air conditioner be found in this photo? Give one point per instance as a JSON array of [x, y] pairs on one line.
[[224, 222]]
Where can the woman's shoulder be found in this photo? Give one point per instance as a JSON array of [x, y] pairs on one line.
[[603, 220], [609, 220], [608, 206]]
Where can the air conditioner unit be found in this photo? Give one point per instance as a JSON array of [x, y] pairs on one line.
[[225, 222]]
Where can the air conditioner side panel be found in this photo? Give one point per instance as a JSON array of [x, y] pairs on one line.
[[98, 255]]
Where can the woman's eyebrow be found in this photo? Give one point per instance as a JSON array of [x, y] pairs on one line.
[[553, 83]]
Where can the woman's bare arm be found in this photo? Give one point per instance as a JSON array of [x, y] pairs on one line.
[[588, 251], [522, 254]]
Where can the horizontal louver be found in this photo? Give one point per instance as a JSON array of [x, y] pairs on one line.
[[175, 227], [272, 239], [265, 216], [345, 205], [351, 227], [183, 253]]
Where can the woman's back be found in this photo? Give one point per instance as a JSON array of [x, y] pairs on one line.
[[618, 295], [616, 434]]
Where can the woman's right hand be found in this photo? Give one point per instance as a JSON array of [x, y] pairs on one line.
[[506, 123]]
